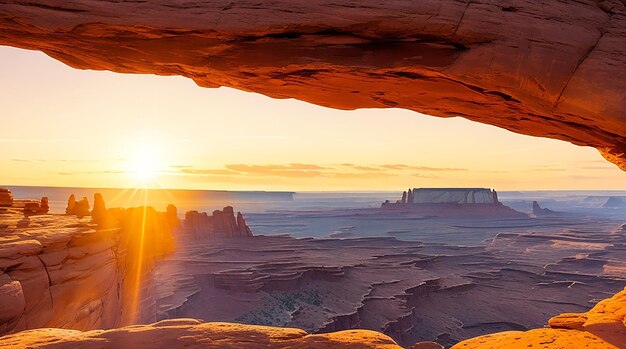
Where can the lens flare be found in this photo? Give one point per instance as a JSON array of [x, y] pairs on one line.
[[145, 163]]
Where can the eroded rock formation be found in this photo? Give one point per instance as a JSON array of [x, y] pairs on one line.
[[31, 207], [539, 211], [6, 197], [550, 69], [220, 224], [71, 205], [81, 208], [99, 212]]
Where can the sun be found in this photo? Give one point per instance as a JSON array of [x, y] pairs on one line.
[[145, 163]]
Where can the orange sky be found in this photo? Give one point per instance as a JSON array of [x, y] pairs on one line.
[[64, 127]]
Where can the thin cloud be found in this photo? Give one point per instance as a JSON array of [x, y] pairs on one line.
[[208, 171], [291, 170], [403, 167]]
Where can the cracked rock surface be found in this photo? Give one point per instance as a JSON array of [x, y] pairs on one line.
[[550, 69]]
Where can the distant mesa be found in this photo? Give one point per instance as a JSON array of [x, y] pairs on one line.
[[538, 211], [615, 202], [220, 224], [452, 201]]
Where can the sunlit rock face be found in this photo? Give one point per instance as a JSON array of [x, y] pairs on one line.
[[551, 69], [193, 334], [61, 271]]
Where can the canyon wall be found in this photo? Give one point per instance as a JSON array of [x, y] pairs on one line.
[[551, 69], [61, 271]]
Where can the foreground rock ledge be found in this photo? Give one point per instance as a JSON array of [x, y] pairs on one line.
[[603, 327], [551, 69], [189, 333]]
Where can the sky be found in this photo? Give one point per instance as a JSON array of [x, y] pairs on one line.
[[66, 127]]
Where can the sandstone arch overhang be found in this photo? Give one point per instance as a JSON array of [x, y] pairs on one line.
[[551, 69]]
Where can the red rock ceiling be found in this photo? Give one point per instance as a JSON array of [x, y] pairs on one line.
[[544, 68]]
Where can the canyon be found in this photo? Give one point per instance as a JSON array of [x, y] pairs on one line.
[[68, 281], [543, 69], [603, 327], [73, 271], [549, 69], [61, 271]]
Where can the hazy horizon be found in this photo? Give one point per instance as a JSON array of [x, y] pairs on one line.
[[101, 129]]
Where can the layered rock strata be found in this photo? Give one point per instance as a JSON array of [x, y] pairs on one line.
[[408, 290], [58, 271], [551, 69]]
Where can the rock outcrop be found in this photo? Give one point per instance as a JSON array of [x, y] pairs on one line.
[[44, 207], [6, 197], [193, 334], [71, 205], [539, 211], [99, 212], [81, 208], [32, 207], [56, 271], [602, 327], [551, 69], [220, 224], [171, 213]]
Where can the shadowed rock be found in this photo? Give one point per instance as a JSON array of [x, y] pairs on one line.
[[172, 216], [71, 205], [221, 224], [81, 209], [99, 212], [539, 211], [6, 197]]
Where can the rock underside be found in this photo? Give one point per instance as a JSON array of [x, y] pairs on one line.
[[551, 69]]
